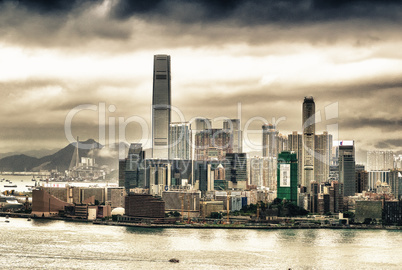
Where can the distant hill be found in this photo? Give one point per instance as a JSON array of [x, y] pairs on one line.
[[62, 158], [31, 153]]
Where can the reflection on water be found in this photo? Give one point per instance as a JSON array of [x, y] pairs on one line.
[[68, 245]]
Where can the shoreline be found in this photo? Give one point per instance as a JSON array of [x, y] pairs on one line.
[[209, 226]]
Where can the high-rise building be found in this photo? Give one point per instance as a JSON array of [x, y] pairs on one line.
[[395, 179], [161, 111], [295, 144], [361, 180], [236, 141], [212, 144], [308, 121], [273, 142], [380, 160], [263, 172], [180, 141], [132, 169], [269, 136], [322, 156], [236, 169], [314, 190], [347, 172], [287, 176]]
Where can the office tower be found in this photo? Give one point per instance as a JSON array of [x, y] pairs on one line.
[[161, 102], [287, 177], [380, 160], [336, 197], [295, 144], [323, 149], [236, 142], [133, 166], [395, 179], [314, 190], [181, 141], [308, 121], [361, 180], [236, 169], [347, 173]]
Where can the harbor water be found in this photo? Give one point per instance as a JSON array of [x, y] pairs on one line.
[[53, 244]]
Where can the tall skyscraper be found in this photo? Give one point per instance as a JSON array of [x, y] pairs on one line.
[[322, 159], [181, 141], [269, 138], [347, 171], [161, 102], [237, 137], [308, 128]]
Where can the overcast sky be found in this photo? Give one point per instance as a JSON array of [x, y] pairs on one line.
[[266, 55]]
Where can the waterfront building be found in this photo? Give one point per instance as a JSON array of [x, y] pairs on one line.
[[287, 177], [367, 211], [392, 212], [45, 205], [161, 107], [187, 201], [144, 206]]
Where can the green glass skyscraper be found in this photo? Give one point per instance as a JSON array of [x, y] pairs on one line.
[[287, 176]]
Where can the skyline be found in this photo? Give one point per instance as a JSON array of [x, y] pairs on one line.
[[59, 55]]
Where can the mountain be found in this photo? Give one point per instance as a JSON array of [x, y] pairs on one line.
[[61, 159], [38, 153]]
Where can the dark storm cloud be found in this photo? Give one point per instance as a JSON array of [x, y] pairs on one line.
[[258, 11], [372, 122], [389, 144], [245, 12]]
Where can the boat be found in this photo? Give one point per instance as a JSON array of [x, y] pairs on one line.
[[173, 260], [9, 186]]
